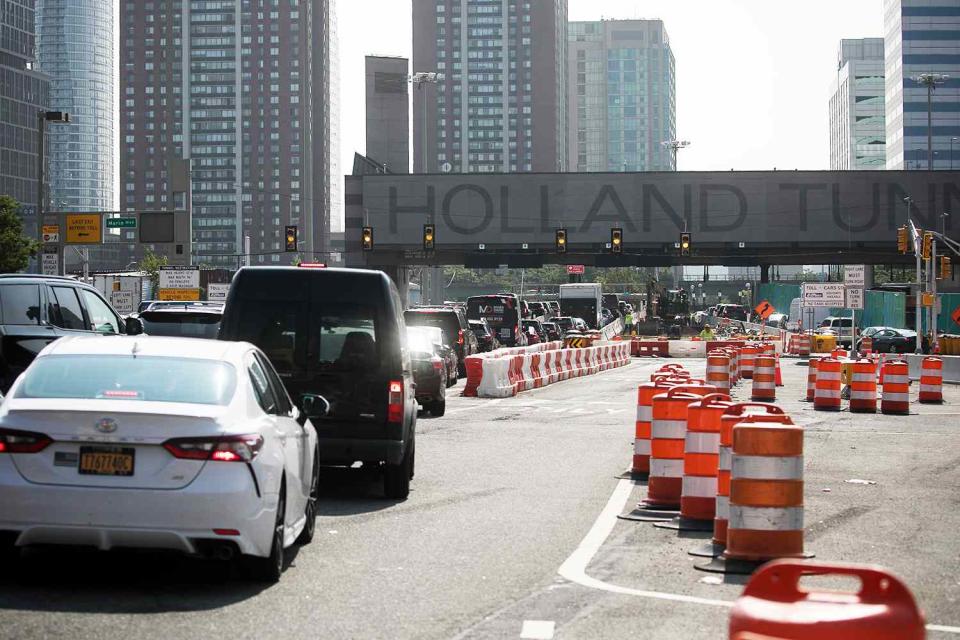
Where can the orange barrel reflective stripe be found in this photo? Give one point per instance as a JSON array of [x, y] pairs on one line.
[[863, 386], [765, 378], [718, 370], [804, 346], [931, 381], [811, 378], [768, 347], [742, 412], [827, 394], [701, 456], [747, 356], [766, 492], [896, 388], [641, 441], [734, 369], [668, 430]]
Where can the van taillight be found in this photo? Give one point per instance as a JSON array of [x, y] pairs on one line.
[[460, 337], [395, 402]]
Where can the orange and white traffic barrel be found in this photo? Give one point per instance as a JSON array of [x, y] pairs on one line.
[[812, 378], [766, 493], [641, 440], [803, 345], [733, 415], [839, 353], [765, 378], [896, 388], [931, 381], [734, 368], [863, 386], [668, 431], [747, 357], [866, 346], [829, 377], [718, 370]]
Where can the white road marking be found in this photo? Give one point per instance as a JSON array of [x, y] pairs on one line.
[[538, 629], [574, 568]]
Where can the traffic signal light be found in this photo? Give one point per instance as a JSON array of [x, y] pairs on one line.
[[946, 268], [616, 240], [927, 245], [429, 237], [685, 244], [290, 233], [561, 240], [366, 238], [903, 240]]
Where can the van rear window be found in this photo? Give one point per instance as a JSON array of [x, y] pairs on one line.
[[347, 338]]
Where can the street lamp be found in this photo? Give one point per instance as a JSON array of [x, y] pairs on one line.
[[419, 79], [43, 117], [930, 81], [675, 145]]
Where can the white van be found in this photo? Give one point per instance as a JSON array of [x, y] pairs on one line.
[[840, 327], [805, 318]]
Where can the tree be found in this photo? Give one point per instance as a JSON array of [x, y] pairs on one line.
[[16, 249], [150, 265]]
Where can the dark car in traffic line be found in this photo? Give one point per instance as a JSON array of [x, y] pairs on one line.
[[552, 329], [892, 340], [434, 367], [36, 310], [537, 328], [486, 337], [453, 322], [337, 333]]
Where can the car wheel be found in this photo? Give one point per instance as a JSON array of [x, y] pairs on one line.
[[310, 527], [396, 477], [438, 408], [270, 569]]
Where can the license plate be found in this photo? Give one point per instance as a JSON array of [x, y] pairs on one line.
[[106, 461]]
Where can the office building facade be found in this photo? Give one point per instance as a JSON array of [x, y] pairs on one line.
[[388, 112], [922, 37], [24, 91], [230, 95], [500, 105], [621, 96], [857, 107]]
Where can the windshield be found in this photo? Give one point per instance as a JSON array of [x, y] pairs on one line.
[[180, 325], [422, 340], [146, 378]]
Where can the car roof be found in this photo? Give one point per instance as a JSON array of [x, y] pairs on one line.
[[148, 346], [21, 278]]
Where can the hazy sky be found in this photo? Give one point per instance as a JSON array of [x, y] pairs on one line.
[[753, 76]]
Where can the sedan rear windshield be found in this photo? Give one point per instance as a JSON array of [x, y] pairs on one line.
[[150, 379], [181, 325]]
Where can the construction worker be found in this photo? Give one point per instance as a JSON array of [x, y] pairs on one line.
[[628, 324], [707, 333]]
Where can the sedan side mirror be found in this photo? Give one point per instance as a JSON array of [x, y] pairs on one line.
[[314, 406], [133, 326]]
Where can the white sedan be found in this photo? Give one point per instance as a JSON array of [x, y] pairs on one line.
[[158, 443]]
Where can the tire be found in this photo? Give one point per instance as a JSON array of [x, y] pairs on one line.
[[438, 408], [396, 477], [310, 527], [413, 456], [270, 569]]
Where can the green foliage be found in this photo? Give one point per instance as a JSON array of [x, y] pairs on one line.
[[151, 264], [16, 249]]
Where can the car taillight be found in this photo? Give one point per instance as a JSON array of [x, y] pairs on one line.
[[222, 449], [395, 402], [437, 363], [460, 337], [22, 441]]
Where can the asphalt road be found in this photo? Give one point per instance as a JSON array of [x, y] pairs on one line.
[[505, 494]]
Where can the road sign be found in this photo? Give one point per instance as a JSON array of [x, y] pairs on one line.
[[179, 295], [765, 309], [217, 292], [51, 233], [956, 315], [854, 275], [854, 298], [824, 294], [121, 223], [180, 278], [122, 301], [50, 264], [575, 269], [84, 228]]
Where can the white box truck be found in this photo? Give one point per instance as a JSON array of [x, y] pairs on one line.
[[582, 301]]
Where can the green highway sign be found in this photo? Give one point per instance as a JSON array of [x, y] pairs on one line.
[[121, 223]]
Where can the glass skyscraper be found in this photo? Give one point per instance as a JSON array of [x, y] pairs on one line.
[[857, 108], [621, 96], [922, 37], [76, 50], [500, 106]]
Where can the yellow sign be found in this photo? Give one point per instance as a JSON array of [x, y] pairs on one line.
[[928, 299], [84, 228], [180, 295]]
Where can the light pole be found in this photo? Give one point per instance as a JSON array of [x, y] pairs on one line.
[[930, 81], [675, 145], [952, 140], [43, 117], [419, 79]]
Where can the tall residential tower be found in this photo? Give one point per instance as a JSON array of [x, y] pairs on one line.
[[500, 105], [857, 109], [621, 96]]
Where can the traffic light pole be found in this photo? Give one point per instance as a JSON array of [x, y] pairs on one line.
[[933, 289], [918, 251]]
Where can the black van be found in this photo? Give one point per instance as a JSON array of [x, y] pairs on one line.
[[338, 333]]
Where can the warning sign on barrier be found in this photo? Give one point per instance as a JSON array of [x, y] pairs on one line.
[[956, 315], [765, 310]]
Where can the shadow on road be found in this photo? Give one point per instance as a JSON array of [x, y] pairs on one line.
[[350, 492]]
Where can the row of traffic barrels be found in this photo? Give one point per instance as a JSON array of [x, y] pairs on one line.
[[878, 379]]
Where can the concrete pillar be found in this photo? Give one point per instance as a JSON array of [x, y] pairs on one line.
[[764, 273]]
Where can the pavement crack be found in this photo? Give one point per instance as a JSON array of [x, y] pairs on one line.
[[817, 529]]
